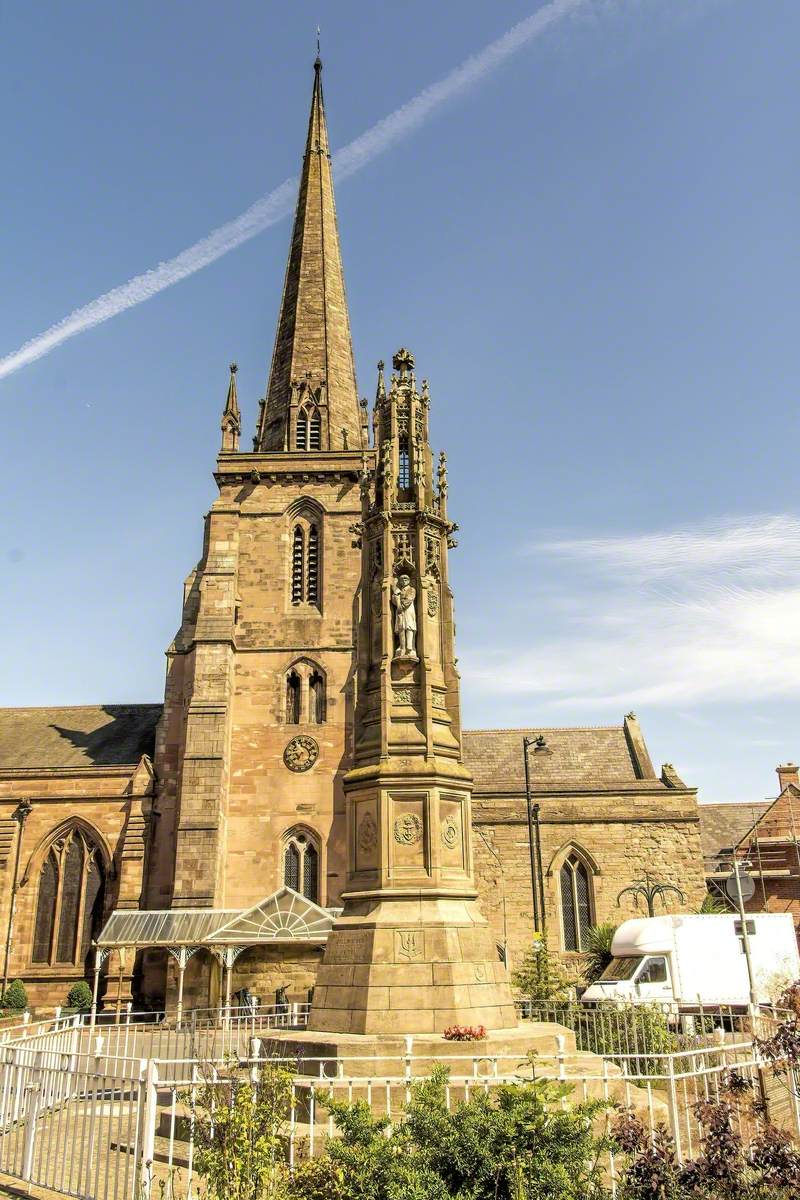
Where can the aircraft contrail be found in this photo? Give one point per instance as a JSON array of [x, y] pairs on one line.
[[280, 202]]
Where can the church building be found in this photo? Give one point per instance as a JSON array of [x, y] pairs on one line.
[[184, 850]]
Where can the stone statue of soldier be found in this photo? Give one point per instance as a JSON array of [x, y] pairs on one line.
[[405, 621]]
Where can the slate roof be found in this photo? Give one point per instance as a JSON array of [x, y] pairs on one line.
[[722, 826], [119, 734], [94, 735], [581, 758]]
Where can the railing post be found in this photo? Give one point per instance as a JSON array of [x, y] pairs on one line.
[[255, 1056], [674, 1112], [98, 966], [409, 1055], [561, 1043], [148, 1111], [32, 1095]]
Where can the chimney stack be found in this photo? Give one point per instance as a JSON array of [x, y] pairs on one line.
[[787, 774]]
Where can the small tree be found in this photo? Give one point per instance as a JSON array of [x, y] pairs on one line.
[[541, 978], [79, 996], [15, 998], [598, 954], [238, 1126]]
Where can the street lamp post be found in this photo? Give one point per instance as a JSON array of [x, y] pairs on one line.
[[534, 839], [745, 935], [20, 815]]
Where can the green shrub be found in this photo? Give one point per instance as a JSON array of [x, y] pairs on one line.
[[79, 996], [636, 1032], [522, 1141], [15, 998]]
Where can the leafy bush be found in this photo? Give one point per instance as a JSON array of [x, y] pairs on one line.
[[79, 996], [636, 1031], [15, 998], [768, 1170], [513, 1142]]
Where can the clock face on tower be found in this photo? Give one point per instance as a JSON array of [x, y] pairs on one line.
[[301, 753]]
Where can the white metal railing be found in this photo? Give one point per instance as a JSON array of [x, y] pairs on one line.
[[84, 1112]]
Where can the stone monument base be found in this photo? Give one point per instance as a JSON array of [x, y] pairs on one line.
[[411, 964], [352, 1055]]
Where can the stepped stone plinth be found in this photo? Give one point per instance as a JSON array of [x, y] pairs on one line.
[[411, 966]]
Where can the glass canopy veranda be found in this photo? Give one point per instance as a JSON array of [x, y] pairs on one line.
[[281, 918]]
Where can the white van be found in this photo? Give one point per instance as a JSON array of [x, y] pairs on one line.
[[692, 962]]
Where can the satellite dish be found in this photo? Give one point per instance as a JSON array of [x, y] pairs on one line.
[[745, 883]]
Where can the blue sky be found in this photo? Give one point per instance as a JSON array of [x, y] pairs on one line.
[[593, 254]]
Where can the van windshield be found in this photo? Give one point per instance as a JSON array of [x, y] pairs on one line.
[[620, 968]]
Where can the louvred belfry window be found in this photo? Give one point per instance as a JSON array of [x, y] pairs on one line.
[[305, 565], [312, 574], [308, 432], [298, 555], [69, 905], [576, 902]]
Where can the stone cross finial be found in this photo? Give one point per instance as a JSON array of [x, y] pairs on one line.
[[403, 362]]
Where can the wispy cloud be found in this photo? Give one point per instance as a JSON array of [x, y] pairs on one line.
[[279, 202], [769, 545], [668, 618]]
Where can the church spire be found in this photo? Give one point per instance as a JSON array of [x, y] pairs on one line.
[[312, 375], [231, 423]]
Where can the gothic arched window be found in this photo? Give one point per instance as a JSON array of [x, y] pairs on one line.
[[403, 471], [576, 902], [301, 865], [306, 574], [316, 699], [69, 905], [293, 698]]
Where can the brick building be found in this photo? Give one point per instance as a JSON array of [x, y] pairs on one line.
[[206, 837], [766, 835]]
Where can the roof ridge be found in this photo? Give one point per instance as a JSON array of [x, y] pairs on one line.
[[100, 704], [546, 729]]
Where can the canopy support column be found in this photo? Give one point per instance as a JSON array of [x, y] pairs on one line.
[[100, 957], [227, 956], [181, 954]]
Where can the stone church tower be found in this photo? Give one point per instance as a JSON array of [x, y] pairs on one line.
[[260, 684]]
